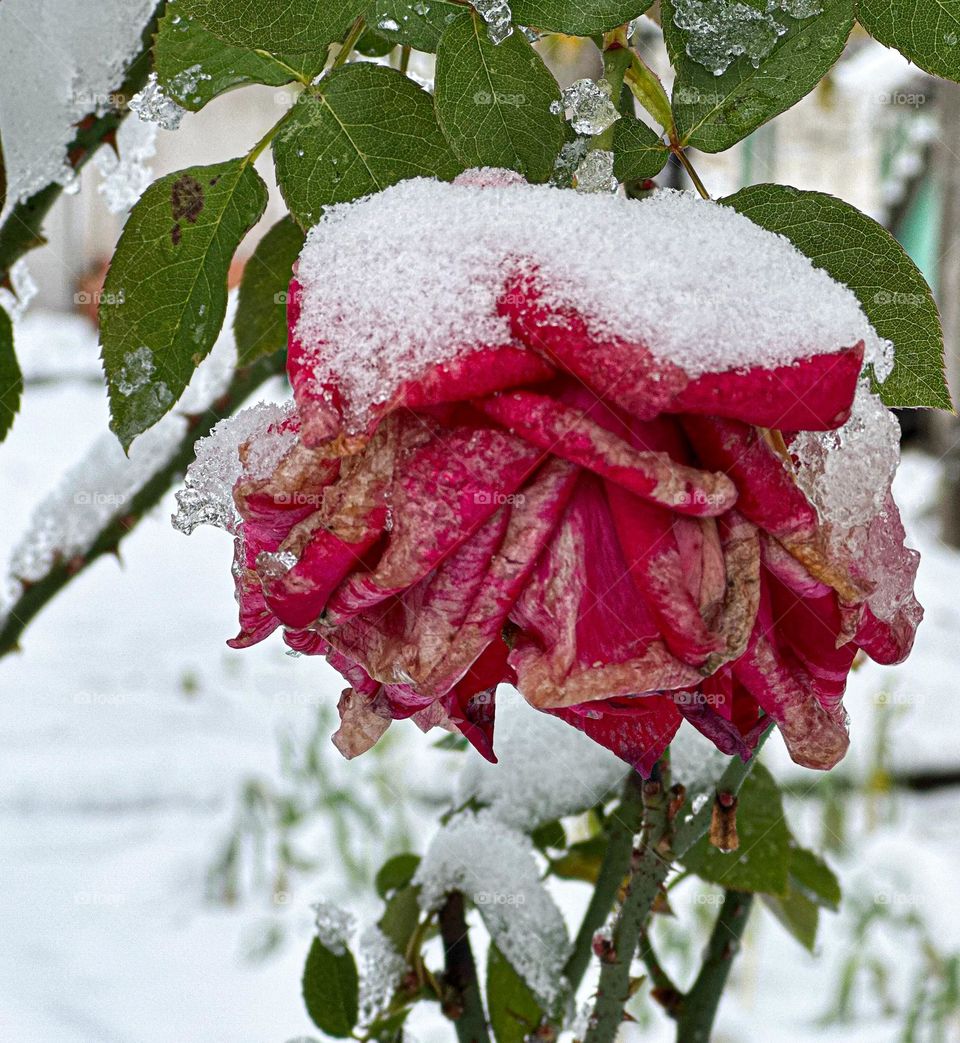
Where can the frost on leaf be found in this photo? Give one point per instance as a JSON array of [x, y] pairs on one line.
[[153, 106], [595, 172], [42, 100], [589, 105], [498, 16], [381, 968], [334, 926], [495, 867], [717, 32]]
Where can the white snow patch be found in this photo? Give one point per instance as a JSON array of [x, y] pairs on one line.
[[59, 61], [381, 969], [334, 925], [705, 288], [495, 867]]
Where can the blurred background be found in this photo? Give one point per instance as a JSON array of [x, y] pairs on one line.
[[169, 808]]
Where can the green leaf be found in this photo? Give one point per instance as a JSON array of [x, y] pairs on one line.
[[331, 990], [926, 31], [260, 324], [166, 292], [194, 66], [412, 23], [714, 112], [373, 45], [576, 17], [11, 379], [360, 129], [550, 835], [581, 861], [637, 150], [493, 101], [762, 861], [810, 875], [798, 914], [401, 917], [858, 252], [291, 27], [395, 873], [514, 1011]]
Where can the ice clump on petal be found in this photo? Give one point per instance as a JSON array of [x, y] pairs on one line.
[[545, 769], [125, 177], [498, 16], [590, 107], [207, 494], [42, 100], [847, 473], [381, 970], [152, 105], [495, 867], [720, 31], [334, 926], [433, 298], [595, 172]]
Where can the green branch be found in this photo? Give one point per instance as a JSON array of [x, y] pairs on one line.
[[463, 1005], [37, 594], [698, 1009]]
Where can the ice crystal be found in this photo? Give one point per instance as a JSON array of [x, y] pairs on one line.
[[589, 106], [334, 926], [595, 172], [498, 16], [152, 105], [125, 175], [23, 289], [381, 969], [720, 31]]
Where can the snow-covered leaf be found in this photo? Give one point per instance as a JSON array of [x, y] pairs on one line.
[[11, 379], [925, 31], [193, 66], [577, 17], [360, 129], [331, 990], [514, 1011], [291, 27], [261, 320], [412, 23], [860, 253], [713, 112], [165, 295], [637, 150], [494, 101], [762, 861], [494, 866]]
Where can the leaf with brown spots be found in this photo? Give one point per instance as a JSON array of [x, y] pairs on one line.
[[167, 286]]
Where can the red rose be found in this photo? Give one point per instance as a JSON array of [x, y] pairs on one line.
[[537, 477]]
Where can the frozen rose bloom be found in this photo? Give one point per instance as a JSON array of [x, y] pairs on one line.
[[574, 513]]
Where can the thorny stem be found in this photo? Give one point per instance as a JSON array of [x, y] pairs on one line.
[[37, 594], [465, 1006], [698, 1009], [624, 824]]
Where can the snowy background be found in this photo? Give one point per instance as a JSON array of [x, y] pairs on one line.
[[147, 892]]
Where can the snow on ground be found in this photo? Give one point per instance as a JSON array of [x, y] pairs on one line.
[[128, 728]]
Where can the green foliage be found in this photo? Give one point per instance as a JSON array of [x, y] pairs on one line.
[[331, 990], [291, 27], [11, 379], [926, 31], [260, 325], [194, 66], [576, 17], [493, 101], [638, 151], [581, 861], [860, 253], [798, 914], [362, 128], [812, 877], [396, 873], [714, 112], [514, 1010], [762, 861], [166, 292], [418, 24], [401, 917]]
